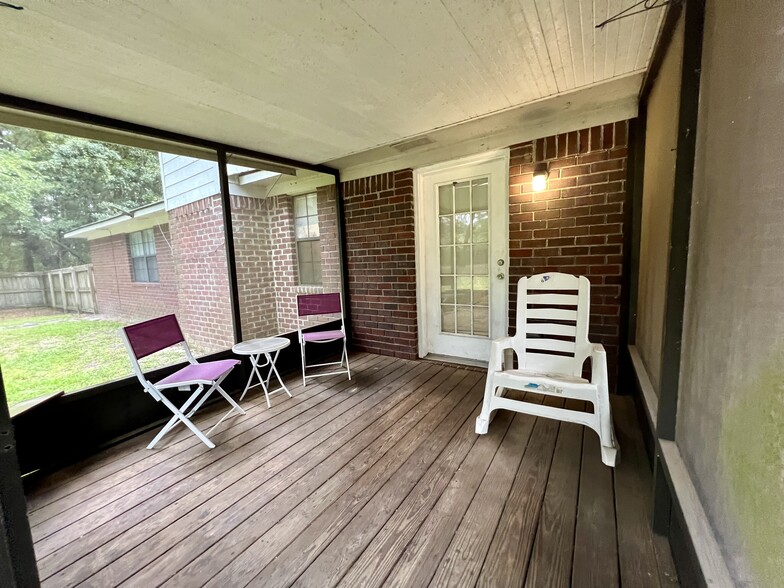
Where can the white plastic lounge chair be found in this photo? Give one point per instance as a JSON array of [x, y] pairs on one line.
[[551, 344]]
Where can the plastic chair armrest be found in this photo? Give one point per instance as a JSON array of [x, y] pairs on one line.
[[598, 364], [497, 348]]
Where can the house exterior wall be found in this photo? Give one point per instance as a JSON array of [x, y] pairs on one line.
[[253, 252], [199, 249], [576, 225], [379, 219], [661, 141], [187, 179], [116, 292], [730, 418], [285, 255]]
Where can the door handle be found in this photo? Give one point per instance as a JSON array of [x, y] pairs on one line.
[[500, 276]]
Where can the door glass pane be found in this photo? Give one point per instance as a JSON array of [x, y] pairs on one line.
[[448, 318], [463, 260], [447, 290], [481, 321], [481, 291], [464, 320], [479, 194], [447, 263], [445, 199], [463, 294], [446, 230], [462, 197], [479, 222], [463, 226], [480, 260]]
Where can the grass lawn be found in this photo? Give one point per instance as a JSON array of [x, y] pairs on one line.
[[45, 353]]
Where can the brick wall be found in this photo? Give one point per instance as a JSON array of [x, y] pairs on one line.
[[117, 294], [379, 213], [576, 225], [285, 255], [202, 276], [254, 257]]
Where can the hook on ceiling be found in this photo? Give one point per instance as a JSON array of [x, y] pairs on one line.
[[646, 6]]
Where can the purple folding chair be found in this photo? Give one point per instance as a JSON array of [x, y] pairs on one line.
[[310, 305], [148, 337]]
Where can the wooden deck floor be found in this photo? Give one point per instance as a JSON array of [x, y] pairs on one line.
[[376, 481]]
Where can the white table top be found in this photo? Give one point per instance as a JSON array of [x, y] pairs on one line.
[[256, 346]]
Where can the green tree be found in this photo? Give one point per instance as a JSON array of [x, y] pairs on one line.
[[51, 184]]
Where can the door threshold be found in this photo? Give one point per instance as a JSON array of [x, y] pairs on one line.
[[436, 358]]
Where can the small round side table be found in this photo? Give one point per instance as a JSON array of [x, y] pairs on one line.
[[255, 348]]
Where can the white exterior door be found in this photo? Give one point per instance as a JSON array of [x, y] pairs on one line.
[[463, 255]]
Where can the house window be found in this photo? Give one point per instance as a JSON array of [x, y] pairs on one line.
[[144, 262], [306, 232]]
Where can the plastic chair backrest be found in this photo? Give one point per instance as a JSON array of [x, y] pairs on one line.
[[552, 323]]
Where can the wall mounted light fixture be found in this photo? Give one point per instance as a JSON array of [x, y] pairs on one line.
[[540, 177]]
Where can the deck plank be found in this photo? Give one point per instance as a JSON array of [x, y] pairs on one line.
[[595, 563], [462, 561], [116, 459], [175, 452], [266, 456], [434, 513], [668, 575], [633, 500], [215, 469], [377, 481], [236, 550], [282, 563], [376, 548], [316, 463], [510, 549], [551, 559]]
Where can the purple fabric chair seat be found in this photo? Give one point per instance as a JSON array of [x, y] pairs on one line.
[[199, 372], [322, 335]]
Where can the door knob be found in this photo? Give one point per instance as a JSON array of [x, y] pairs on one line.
[[500, 276]]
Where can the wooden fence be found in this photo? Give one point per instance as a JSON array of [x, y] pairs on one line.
[[69, 288]]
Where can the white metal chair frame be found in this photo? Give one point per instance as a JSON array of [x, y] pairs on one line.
[[184, 413], [551, 344], [301, 330]]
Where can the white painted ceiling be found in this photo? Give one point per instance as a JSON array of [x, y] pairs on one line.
[[321, 80]]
